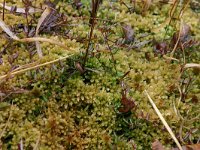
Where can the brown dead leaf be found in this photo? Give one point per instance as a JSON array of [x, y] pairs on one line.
[[161, 48], [79, 67], [127, 103], [157, 145], [193, 147], [181, 36], [128, 33], [185, 30]]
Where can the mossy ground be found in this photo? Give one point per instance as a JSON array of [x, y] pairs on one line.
[[61, 108]]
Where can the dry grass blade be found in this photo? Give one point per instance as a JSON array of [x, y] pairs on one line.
[[171, 15], [22, 10], [33, 67], [170, 58], [184, 8], [39, 49], [163, 121], [46, 12], [7, 30], [191, 65], [177, 40], [146, 6], [34, 39], [173, 9]]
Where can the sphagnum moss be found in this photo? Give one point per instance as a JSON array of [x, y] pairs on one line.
[[65, 109]]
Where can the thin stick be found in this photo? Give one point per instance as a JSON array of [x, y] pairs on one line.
[[4, 2], [163, 121], [95, 7], [183, 9], [178, 40]]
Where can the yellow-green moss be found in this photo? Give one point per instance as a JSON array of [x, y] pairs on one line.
[[64, 109]]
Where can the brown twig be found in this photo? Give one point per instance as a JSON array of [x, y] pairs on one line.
[[95, 7], [4, 2]]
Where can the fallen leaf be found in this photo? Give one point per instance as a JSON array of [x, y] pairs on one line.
[[128, 33], [127, 103], [185, 30], [161, 48], [157, 145], [79, 67], [193, 147]]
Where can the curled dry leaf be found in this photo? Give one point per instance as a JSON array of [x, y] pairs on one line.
[[185, 30], [181, 36], [46, 12], [127, 103], [15, 55], [161, 48], [128, 33], [79, 67], [21, 10]]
